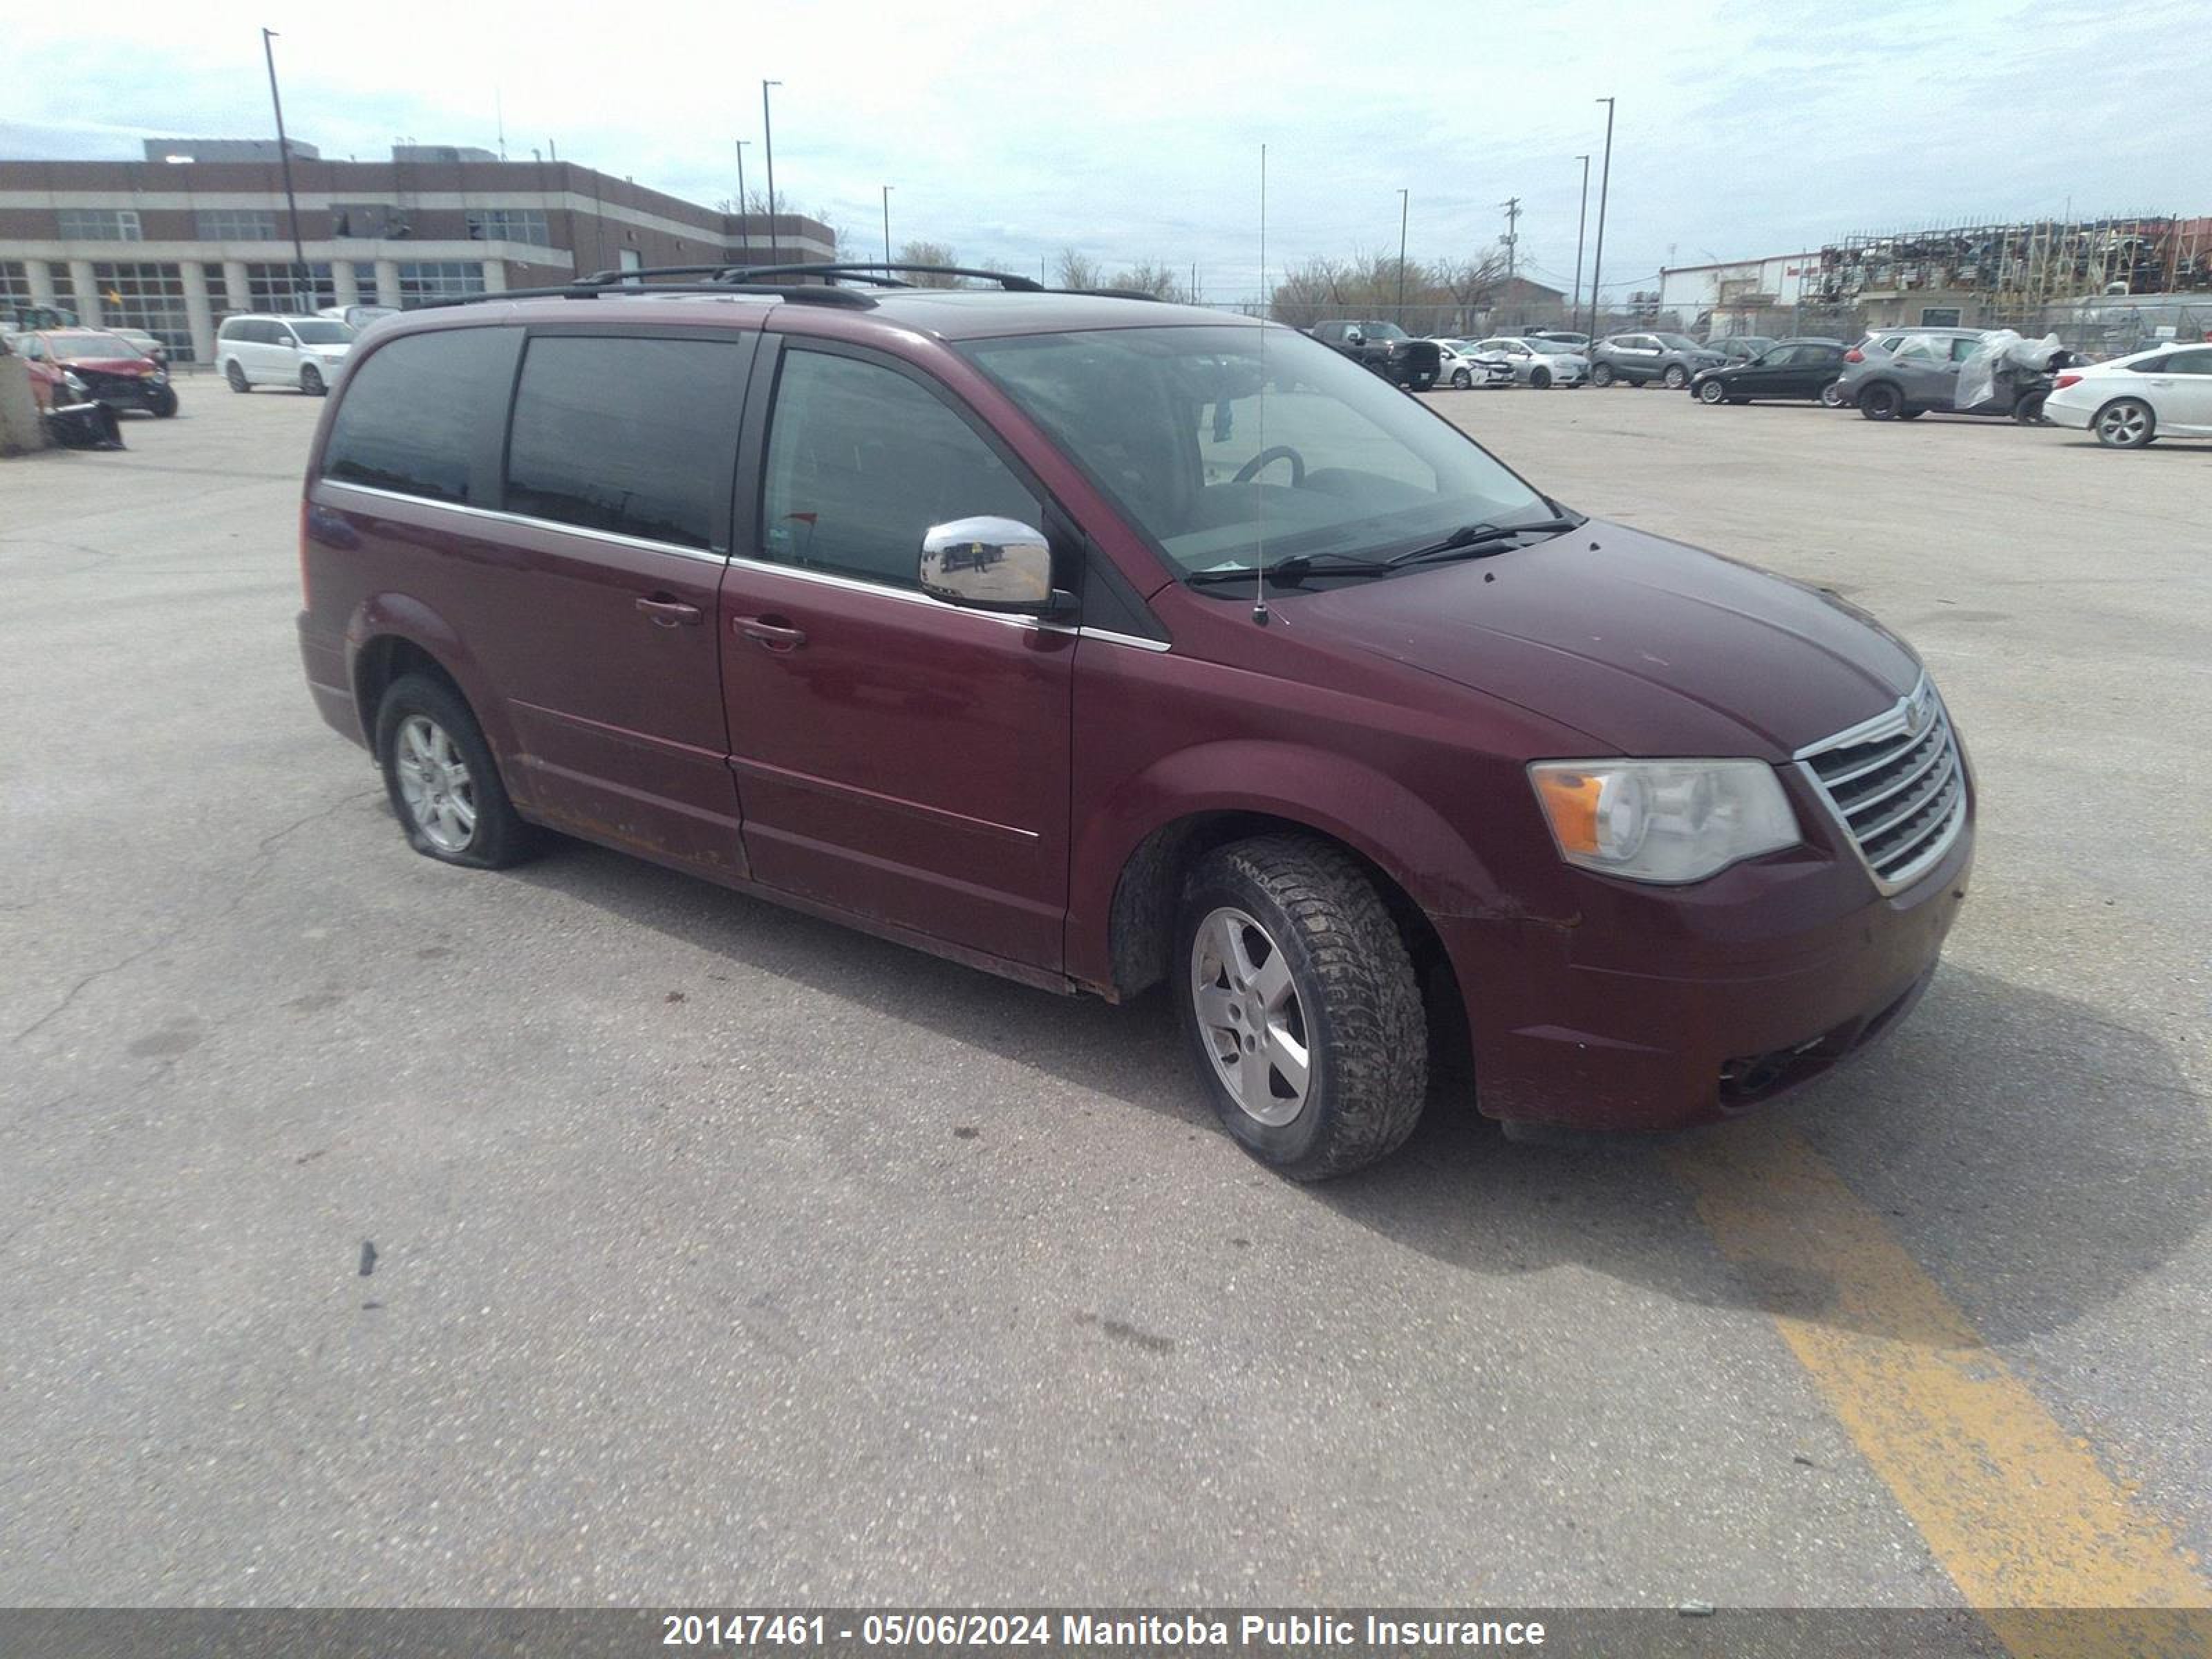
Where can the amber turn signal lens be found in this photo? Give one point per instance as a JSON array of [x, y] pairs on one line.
[[1571, 801]]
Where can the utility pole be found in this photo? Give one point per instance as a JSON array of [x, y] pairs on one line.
[[1604, 181], [284, 160], [1404, 204], [767, 137], [1582, 223], [745, 228], [1512, 206], [887, 224]]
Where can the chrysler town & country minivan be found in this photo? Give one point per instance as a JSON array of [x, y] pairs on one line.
[[1106, 644]]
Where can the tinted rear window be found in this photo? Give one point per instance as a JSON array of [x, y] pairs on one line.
[[635, 437], [413, 415]]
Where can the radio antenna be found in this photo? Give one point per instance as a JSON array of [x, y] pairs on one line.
[[1260, 553]]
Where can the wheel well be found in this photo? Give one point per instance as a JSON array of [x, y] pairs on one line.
[[1150, 891], [384, 659]]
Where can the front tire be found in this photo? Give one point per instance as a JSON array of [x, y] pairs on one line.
[[1461, 381], [1713, 392], [2125, 424], [235, 376], [1601, 374], [1676, 377], [163, 403], [2028, 411], [1832, 395], [311, 381], [444, 784], [1301, 1007]]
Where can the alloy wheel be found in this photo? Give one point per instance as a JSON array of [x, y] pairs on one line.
[[1249, 1017], [2124, 425], [435, 783]]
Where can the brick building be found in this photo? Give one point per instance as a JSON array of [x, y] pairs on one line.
[[199, 229]]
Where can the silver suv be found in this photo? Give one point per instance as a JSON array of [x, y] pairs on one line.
[[1669, 359]]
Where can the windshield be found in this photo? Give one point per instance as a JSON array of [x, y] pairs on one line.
[[90, 348], [1224, 460], [321, 330]]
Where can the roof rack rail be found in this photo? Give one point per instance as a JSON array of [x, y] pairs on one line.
[[586, 288], [1114, 293], [868, 270]]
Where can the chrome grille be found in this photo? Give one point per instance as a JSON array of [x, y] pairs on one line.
[[1897, 784]]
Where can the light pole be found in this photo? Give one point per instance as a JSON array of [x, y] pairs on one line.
[[744, 228], [887, 224], [1582, 224], [284, 160], [1404, 204], [767, 137], [1604, 180]]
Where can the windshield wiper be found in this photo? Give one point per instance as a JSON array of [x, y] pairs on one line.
[[1291, 570], [1469, 537]]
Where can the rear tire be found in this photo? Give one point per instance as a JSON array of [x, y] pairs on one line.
[[444, 785], [1601, 374], [1297, 991], [1881, 401], [236, 376], [2125, 424]]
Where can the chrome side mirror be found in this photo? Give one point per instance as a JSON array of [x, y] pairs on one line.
[[989, 564]]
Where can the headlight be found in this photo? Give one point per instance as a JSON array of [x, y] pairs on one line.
[[73, 383], [1663, 821]]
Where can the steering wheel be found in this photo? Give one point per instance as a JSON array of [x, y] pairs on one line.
[[1250, 469]]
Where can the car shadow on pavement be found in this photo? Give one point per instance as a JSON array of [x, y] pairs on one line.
[[2011, 1138], [2035, 1158]]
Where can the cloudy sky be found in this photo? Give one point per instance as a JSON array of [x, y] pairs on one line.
[[1010, 129]]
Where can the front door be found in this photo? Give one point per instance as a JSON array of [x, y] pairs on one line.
[[2184, 393], [899, 757]]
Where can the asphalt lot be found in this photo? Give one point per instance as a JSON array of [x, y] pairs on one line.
[[724, 1255]]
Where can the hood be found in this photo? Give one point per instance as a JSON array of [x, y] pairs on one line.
[[1655, 648], [127, 366]]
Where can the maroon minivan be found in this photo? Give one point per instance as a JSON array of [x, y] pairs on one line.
[[1099, 642]]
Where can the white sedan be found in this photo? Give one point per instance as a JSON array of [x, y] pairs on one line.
[[2163, 393], [1539, 362], [1463, 367]]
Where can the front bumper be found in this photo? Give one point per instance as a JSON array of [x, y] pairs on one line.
[[124, 392], [1734, 1000]]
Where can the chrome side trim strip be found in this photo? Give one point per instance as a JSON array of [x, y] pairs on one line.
[[1107, 636], [526, 521], [799, 572]]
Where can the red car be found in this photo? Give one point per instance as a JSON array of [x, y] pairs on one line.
[[1041, 632], [105, 368]]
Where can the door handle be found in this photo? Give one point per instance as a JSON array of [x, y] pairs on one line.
[[770, 633], [669, 613]]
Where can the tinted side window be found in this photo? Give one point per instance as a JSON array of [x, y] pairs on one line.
[[412, 415], [1962, 349], [2189, 362], [635, 437], [862, 460]]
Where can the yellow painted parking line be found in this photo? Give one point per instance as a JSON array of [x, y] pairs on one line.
[[2015, 1510]]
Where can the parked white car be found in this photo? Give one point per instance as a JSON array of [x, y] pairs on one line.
[[1461, 365], [2163, 393], [1537, 361], [255, 350]]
